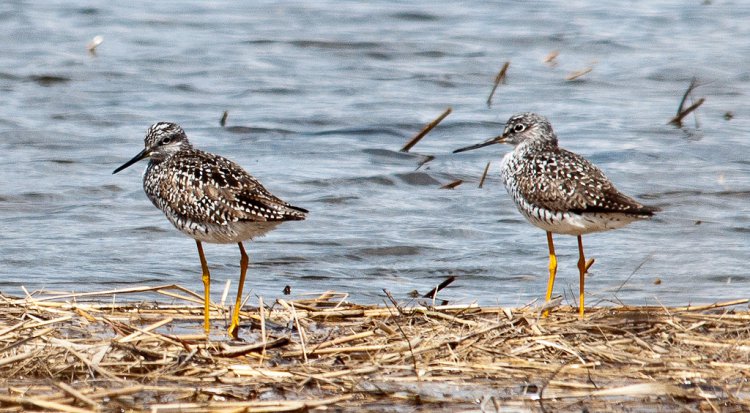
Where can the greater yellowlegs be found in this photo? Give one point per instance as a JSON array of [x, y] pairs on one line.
[[209, 198], [559, 191]]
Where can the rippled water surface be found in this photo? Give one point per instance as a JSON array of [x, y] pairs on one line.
[[321, 96]]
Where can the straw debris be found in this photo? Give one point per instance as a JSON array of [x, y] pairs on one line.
[[452, 184], [116, 350], [499, 78], [682, 111], [425, 130], [484, 175]]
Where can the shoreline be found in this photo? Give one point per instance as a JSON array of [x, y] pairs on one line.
[[87, 352]]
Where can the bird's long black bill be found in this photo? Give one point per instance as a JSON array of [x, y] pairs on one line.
[[135, 159], [497, 139]]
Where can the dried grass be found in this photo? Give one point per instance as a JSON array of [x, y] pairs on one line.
[[427, 128], [87, 352]]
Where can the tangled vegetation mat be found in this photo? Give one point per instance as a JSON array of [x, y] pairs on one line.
[[107, 351]]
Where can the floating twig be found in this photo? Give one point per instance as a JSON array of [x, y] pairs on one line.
[[484, 175], [681, 110], [425, 130], [500, 78], [578, 73], [693, 84], [551, 58], [453, 184], [677, 120]]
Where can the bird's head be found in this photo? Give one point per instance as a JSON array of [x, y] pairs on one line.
[[163, 139], [521, 128]]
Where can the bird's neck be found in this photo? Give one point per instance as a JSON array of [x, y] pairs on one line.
[[535, 145], [153, 163]]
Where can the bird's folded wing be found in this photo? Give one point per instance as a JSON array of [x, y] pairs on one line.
[[209, 188], [564, 181]]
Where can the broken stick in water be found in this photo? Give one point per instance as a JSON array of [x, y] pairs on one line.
[[681, 110], [500, 78], [484, 175], [551, 58], [453, 184], [425, 130], [579, 73]]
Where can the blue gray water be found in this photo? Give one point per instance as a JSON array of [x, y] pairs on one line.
[[321, 95]]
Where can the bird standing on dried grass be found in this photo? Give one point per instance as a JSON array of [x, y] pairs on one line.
[[208, 198], [559, 191]]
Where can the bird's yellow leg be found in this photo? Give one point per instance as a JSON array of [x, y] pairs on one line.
[[552, 270], [234, 325], [206, 288], [583, 266]]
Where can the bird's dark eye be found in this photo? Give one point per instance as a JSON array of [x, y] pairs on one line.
[[519, 128], [166, 140]]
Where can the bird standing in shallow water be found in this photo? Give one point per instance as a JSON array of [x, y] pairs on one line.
[[559, 191], [209, 198]]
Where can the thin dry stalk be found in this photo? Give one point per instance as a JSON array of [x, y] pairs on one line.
[[681, 110], [499, 78], [236, 351], [433, 293], [413, 141], [452, 185], [484, 175], [551, 58], [263, 333], [225, 292], [138, 332], [300, 331], [579, 73], [44, 404], [693, 84], [78, 395], [677, 120]]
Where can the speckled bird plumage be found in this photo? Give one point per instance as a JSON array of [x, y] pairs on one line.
[[210, 199], [206, 196], [558, 190]]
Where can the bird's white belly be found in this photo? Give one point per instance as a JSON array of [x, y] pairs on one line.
[[560, 222], [576, 224], [223, 234]]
